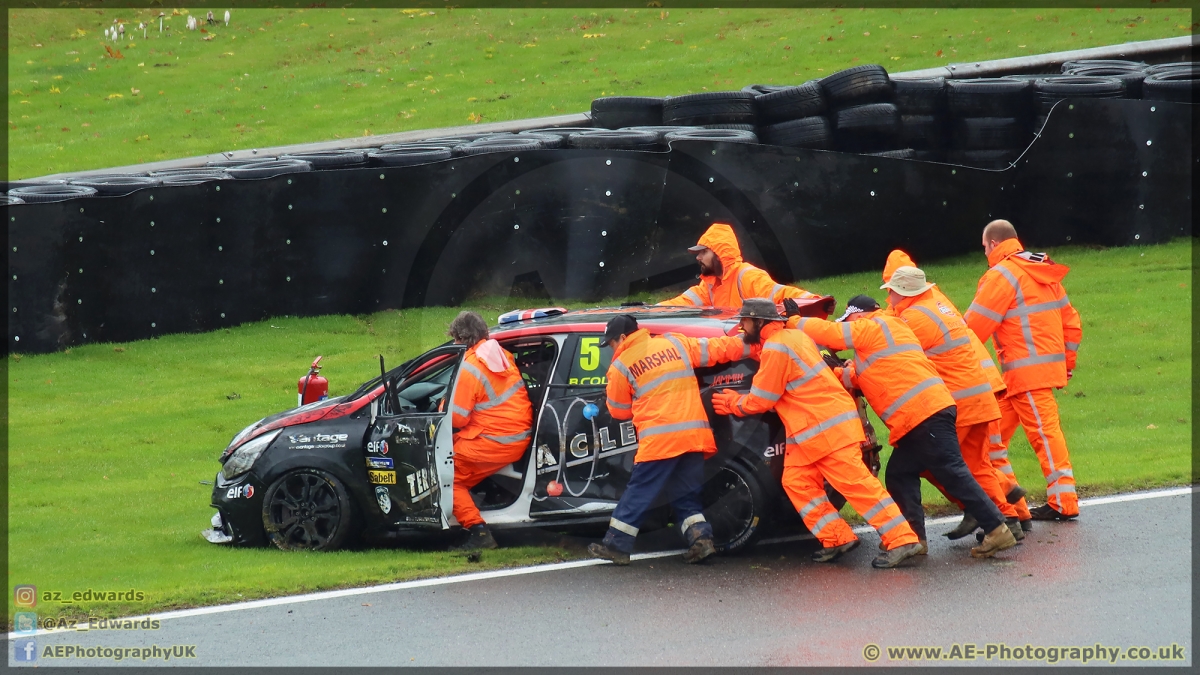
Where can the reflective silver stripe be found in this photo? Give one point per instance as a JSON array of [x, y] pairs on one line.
[[947, 346], [959, 395], [822, 426], [1034, 361], [628, 378], [745, 350], [646, 387], [693, 297], [995, 438], [887, 332], [809, 374], [683, 353], [998, 454], [508, 393], [1054, 476], [846, 379], [879, 506], [738, 403], [847, 336], [671, 428], [1041, 432], [622, 527], [987, 363], [508, 439], [763, 393], [985, 312], [1072, 346], [909, 395], [813, 505], [1026, 327], [703, 352], [742, 273], [809, 371], [470, 368], [455, 410], [825, 520], [776, 289], [947, 342], [692, 520], [884, 353], [1060, 489], [618, 405], [1007, 470], [887, 527], [1026, 310]]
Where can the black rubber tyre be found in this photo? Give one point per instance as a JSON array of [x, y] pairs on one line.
[[307, 510], [711, 107], [807, 132], [548, 141], [867, 128], [760, 89], [485, 146], [719, 135], [791, 103], [115, 186], [613, 140], [1169, 67], [178, 179], [990, 133], [988, 97], [270, 169], [1131, 79], [920, 97], [557, 131], [614, 112], [857, 86], [660, 132], [732, 127], [923, 132], [410, 155], [1071, 65], [451, 143], [189, 171], [330, 159], [903, 153], [983, 159], [1047, 92], [1182, 86], [735, 504], [51, 192], [9, 200], [228, 163]]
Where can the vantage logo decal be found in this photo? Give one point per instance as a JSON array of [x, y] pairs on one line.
[[317, 441]]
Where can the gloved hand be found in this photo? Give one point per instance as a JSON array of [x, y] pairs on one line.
[[725, 402], [790, 308], [832, 360]]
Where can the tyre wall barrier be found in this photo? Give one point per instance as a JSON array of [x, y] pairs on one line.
[[567, 223]]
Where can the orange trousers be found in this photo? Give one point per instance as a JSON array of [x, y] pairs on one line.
[[474, 460], [845, 471], [975, 442], [998, 454], [1037, 412]]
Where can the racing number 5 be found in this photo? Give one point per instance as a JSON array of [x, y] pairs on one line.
[[589, 353]]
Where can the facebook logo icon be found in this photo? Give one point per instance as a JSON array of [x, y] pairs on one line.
[[25, 650]]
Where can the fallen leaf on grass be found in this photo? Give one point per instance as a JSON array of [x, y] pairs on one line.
[[112, 96], [1151, 426], [118, 349], [135, 91], [113, 53]]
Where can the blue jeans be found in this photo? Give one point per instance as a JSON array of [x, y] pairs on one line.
[[682, 478]]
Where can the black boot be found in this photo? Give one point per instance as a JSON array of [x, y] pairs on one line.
[[966, 526], [479, 537], [1014, 495], [1047, 512], [1014, 526]]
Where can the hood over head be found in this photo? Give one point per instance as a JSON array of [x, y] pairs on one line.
[[720, 239], [1037, 265], [895, 259]]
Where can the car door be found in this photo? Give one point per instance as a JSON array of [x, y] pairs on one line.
[[582, 466], [409, 446]]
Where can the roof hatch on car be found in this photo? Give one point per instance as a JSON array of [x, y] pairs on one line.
[[528, 314]]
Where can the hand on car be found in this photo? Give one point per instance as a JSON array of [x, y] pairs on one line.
[[790, 308], [725, 402]]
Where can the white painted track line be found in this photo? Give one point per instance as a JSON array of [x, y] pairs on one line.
[[534, 569]]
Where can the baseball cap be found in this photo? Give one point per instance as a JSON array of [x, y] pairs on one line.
[[759, 308], [859, 303], [908, 281], [697, 248], [619, 326]]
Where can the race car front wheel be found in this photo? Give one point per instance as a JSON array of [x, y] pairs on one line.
[[735, 505], [307, 510]]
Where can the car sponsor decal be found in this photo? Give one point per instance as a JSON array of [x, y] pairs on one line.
[[776, 450], [380, 462], [380, 447], [431, 431], [580, 449], [728, 379], [382, 477], [384, 499], [302, 441], [240, 491], [420, 485]]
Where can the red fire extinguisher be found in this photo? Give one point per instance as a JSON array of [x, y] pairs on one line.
[[312, 387]]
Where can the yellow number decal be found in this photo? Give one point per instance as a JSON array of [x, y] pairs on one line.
[[589, 353]]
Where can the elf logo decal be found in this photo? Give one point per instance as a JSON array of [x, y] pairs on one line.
[[776, 450], [246, 491], [380, 447], [731, 378], [384, 499]]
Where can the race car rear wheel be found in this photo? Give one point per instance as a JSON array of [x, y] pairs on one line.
[[307, 510], [735, 505]]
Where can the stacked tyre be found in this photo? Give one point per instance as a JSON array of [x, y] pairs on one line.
[[861, 111], [922, 107], [990, 121], [1172, 82], [793, 116]]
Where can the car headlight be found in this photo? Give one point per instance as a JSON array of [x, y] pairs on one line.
[[244, 457], [243, 434]]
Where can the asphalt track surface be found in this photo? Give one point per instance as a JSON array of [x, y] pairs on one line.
[[1120, 576]]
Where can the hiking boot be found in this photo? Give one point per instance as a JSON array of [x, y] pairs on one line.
[[1047, 512], [699, 550], [1014, 526], [602, 551], [896, 556], [924, 550], [1015, 495], [1027, 524], [479, 537], [995, 541], [966, 526], [832, 553]]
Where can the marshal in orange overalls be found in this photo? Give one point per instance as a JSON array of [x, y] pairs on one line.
[[739, 280]]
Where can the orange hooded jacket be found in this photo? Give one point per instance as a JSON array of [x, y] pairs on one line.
[[490, 400], [1022, 306], [739, 280]]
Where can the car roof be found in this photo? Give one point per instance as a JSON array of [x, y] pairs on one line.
[[694, 321]]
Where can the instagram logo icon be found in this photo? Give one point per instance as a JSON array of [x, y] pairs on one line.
[[25, 596]]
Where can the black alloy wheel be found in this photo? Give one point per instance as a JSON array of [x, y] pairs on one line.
[[735, 506], [307, 510]]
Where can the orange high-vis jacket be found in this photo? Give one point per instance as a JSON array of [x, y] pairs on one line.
[[490, 405], [947, 342], [653, 381], [889, 367], [987, 363], [1021, 305], [739, 280], [818, 414]]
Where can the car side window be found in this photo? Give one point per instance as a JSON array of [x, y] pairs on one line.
[[590, 362], [425, 390]]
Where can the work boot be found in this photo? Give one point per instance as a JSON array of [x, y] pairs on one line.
[[966, 526], [924, 550], [1014, 495], [995, 541], [1027, 524], [1047, 512], [896, 556], [479, 537], [831, 553], [1014, 526], [602, 551], [699, 550]]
